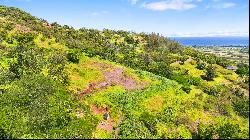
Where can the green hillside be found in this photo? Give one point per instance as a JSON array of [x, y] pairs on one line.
[[59, 82]]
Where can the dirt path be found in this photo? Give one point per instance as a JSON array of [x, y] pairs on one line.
[[104, 124], [111, 78]]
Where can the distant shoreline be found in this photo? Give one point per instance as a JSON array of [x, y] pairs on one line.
[[226, 46], [213, 41]]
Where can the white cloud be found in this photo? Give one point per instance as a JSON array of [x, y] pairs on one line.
[[170, 5], [133, 2], [221, 5], [228, 5]]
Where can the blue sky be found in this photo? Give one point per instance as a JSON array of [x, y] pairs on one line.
[[168, 17]]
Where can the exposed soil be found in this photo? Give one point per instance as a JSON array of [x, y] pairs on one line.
[[106, 125], [23, 28], [193, 127], [102, 85], [98, 111], [111, 77], [88, 90], [47, 25], [114, 77]]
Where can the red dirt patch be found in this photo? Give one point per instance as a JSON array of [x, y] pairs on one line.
[[106, 125], [47, 25], [92, 87], [115, 77], [88, 90], [102, 85], [23, 28], [98, 111]]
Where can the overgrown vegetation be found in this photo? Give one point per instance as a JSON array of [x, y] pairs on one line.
[[58, 82]]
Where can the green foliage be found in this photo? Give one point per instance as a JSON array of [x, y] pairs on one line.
[[133, 128], [45, 105], [26, 61], [183, 59], [3, 134], [223, 131], [214, 90], [241, 106], [187, 81], [211, 59], [243, 69], [56, 66], [210, 73], [73, 56], [6, 76], [201, 66], [168, 115], [149, 121]]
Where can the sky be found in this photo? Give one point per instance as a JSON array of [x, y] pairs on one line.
[[184, 18]]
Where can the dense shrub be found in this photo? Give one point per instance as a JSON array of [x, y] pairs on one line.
[[210, 73], [223, 131], [3, 134], [201, 66], [214, 90], [241, 106], [45, 104], [150, 122], [73, 56], [187, 81], [243, 69], [133, 128]]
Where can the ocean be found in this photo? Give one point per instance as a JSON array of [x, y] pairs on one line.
[[212, 41]]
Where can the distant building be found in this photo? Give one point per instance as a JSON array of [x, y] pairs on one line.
[[234, 68]]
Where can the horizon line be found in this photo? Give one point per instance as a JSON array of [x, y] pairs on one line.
[[207, 36]]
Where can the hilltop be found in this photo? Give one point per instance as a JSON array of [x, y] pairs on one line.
[[59, 82]]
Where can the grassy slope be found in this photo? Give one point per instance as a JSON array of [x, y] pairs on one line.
[[159, 96], [160, 110]]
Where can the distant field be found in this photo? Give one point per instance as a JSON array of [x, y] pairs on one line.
[[239, 54]]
